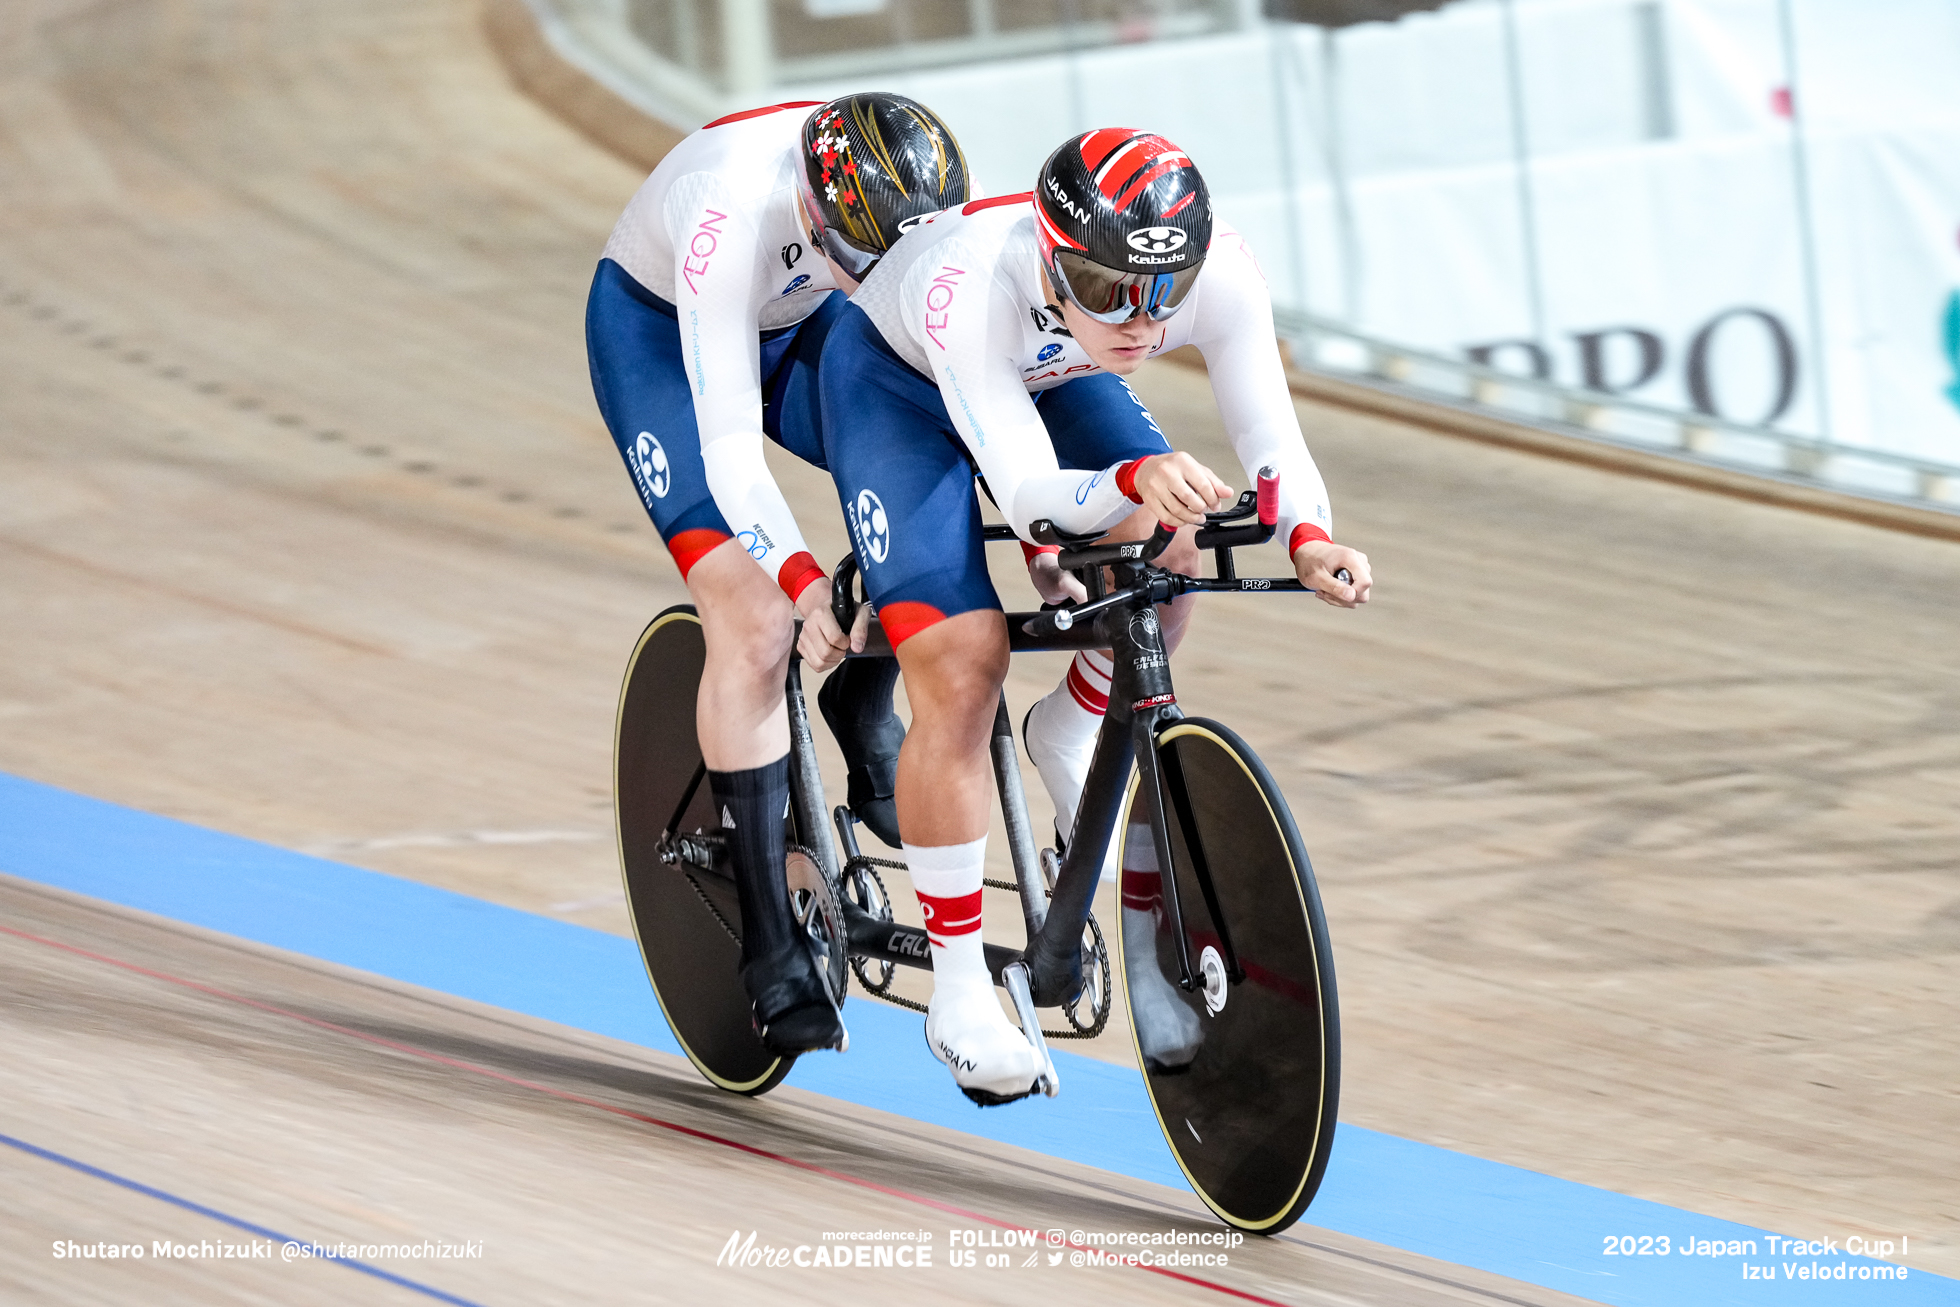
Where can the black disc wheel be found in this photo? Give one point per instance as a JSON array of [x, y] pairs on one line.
[[1243, 1067], [683, 903]]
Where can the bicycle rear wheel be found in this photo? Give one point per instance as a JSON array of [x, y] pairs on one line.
[[688, 921], [1243, 1069]]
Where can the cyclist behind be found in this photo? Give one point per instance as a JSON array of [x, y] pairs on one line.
[[1000, 334], [703, 327]]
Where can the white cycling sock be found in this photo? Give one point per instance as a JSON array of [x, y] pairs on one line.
[[947, 879], [965, 1026], [1061, 732], [1088, 685]]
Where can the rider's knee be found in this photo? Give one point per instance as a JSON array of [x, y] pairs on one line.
[[973, 674], [957, 667], [761, 649], [982, 671], [748, 623]]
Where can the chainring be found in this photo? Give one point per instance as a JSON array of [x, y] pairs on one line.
[[813, 902], [1096, 992], [865, 889]]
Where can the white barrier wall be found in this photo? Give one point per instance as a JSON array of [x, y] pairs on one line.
[[1379, 176]]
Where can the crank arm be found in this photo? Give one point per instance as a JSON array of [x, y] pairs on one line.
[[1015, 978]]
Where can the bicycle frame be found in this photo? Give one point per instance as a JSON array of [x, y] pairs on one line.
[[1142, 702], [1235, 1021]]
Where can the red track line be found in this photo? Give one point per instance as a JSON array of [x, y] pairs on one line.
[[582, 1100]]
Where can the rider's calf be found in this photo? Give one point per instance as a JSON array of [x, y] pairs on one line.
[[953, 673], [748, 626]]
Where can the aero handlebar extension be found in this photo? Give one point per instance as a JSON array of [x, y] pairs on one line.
[[1252, 520]]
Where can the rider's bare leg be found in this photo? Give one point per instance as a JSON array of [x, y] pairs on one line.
[[748, 626], [1060, 730], [953, 674]]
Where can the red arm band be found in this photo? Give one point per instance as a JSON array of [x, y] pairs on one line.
[[798, 571], [1126, 480], [1031, 552], [1304, 532]]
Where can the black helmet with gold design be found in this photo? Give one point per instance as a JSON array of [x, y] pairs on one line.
[[874, 164]]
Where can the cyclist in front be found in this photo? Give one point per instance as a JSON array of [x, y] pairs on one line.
[[996, 337], [703, 327]]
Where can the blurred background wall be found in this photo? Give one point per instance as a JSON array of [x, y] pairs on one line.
[[1738, 209]]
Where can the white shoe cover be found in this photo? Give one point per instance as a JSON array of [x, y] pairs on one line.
[[1169, 1033], [1061, 752], [970, 1034]]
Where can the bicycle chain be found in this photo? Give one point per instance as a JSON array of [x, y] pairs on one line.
[[899, 1000], [714, 911], [870, 861], [709, 904]]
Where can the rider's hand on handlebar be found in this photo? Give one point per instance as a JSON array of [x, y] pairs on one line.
[[1179, 489], [1053, 584], [1315, 563], [823, 643]]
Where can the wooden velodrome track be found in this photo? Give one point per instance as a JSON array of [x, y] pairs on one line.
[[1634, 807]]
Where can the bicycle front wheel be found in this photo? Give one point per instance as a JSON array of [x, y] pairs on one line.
[[1243, 1068]]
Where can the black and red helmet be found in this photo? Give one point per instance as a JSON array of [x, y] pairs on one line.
[[873, 164], [1124, 221]]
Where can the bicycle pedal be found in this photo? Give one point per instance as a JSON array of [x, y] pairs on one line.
[[843, 1042]]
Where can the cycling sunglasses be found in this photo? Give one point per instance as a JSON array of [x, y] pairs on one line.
[[1112, 296], [849, 255]]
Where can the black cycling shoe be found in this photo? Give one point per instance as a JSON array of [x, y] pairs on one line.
[[856, 702], [988, 1098], [790, 1005]]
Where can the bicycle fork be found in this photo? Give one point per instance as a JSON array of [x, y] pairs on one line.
[[1142, 703], [1140, 698]]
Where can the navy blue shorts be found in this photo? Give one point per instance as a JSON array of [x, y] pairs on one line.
[[906, 482], [633, 342]]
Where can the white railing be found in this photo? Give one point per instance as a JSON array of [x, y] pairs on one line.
[[682, 77], [685, 62], [742, 46], [1327, 347]]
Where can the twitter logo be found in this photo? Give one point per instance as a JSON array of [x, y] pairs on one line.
[[1055, 1258]]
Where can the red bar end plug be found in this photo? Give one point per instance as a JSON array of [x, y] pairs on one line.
[[1268, 496]]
